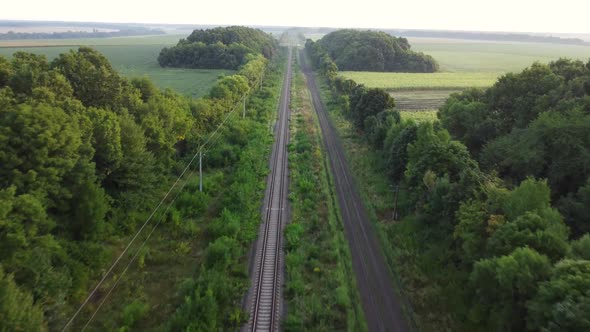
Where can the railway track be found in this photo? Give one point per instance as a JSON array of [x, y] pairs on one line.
[[266, 296], [381, 305]]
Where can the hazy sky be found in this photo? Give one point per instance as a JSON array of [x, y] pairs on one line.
[[488, 15]]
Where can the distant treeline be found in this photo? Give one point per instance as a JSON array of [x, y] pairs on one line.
[[223, 47], [470, 35], [11, 35], [374, 51], [492, 36]]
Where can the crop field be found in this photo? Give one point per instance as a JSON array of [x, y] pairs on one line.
[[422, 91], [464, 64], [423, 81], [132, 57], [456, 55], [419, 100], [419, 116]]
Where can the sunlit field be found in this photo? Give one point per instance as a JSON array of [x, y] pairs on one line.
[[132, 57]]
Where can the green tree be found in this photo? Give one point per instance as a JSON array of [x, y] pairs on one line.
[[576, 210], [6, 71], [18, 312], [543, 231], [92, 77], [27, 69], [581, 248], [370, 102], [471, 230], [40, 146], [106, 141], [562, 303], [503, 285]]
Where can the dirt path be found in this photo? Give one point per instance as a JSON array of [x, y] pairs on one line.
[[380, 303]]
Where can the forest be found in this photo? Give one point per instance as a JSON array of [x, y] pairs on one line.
[[86, 155], [356, 50], [218, 48], [494, 197]]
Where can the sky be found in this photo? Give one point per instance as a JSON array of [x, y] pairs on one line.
[[559, 16]]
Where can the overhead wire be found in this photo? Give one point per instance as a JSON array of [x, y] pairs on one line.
[[102, 280]]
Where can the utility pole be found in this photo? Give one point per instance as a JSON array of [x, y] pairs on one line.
[[244, 107], [395, 203], [201, 170]]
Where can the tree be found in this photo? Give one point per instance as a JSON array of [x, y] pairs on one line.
[[465, 117], [543, 231], [576, 210], [580, 248], [6, 71], [18, 312], [471, 230], [435, 151], [370, 102], [503, 285], [223, 47], [397, 140], [376, 127], [40, 146], [26, 71], [92, 77], [106, 141], [373, 51], [562, 303]]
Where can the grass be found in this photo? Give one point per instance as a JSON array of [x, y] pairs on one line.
[[321, 293], [420, 100], [420, 81], [420, 116], [132, 57], [455, 55]]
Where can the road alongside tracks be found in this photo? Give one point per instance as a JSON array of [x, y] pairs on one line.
[[381, 304]]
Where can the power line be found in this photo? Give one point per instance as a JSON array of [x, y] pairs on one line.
[[137, 252], [207, 141]]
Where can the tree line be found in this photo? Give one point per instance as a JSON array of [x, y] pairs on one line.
[[85, 155], [12, 35], [496, 192], [222, 47], [374, 51]]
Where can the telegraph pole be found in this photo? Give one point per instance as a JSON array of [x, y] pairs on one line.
[[201, 170], [244, 107]]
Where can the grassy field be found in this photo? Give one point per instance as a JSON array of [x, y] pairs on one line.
[[420, 81], [418, 100], [419, 116], [417, 92], [131, 56], [455, 55], [464, 64]]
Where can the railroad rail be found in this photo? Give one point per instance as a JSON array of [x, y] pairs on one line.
[[265, 308]]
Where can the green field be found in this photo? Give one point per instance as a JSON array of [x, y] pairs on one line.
[[131, 56], [419, 116], [455, 55], [421, 81], [463, 64], [417, 91], [419, 100]]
